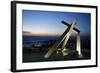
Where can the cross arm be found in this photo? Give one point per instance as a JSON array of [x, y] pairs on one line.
[[75, 29]]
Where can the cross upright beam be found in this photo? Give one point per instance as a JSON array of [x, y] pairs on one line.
[[78, 41]]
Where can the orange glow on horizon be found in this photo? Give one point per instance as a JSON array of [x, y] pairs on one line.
[[41, 33]]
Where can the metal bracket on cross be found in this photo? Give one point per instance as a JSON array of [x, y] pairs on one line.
[[64, 39]]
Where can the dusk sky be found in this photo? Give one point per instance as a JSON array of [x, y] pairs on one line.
[[49, 22]]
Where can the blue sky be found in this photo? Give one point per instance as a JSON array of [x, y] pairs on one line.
[[49, 22]]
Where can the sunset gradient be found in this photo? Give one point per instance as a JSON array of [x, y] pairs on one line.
[[49, 22]]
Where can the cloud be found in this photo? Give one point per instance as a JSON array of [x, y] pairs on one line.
[[27, 33]]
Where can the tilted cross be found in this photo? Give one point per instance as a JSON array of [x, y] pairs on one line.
[[64, 39]]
